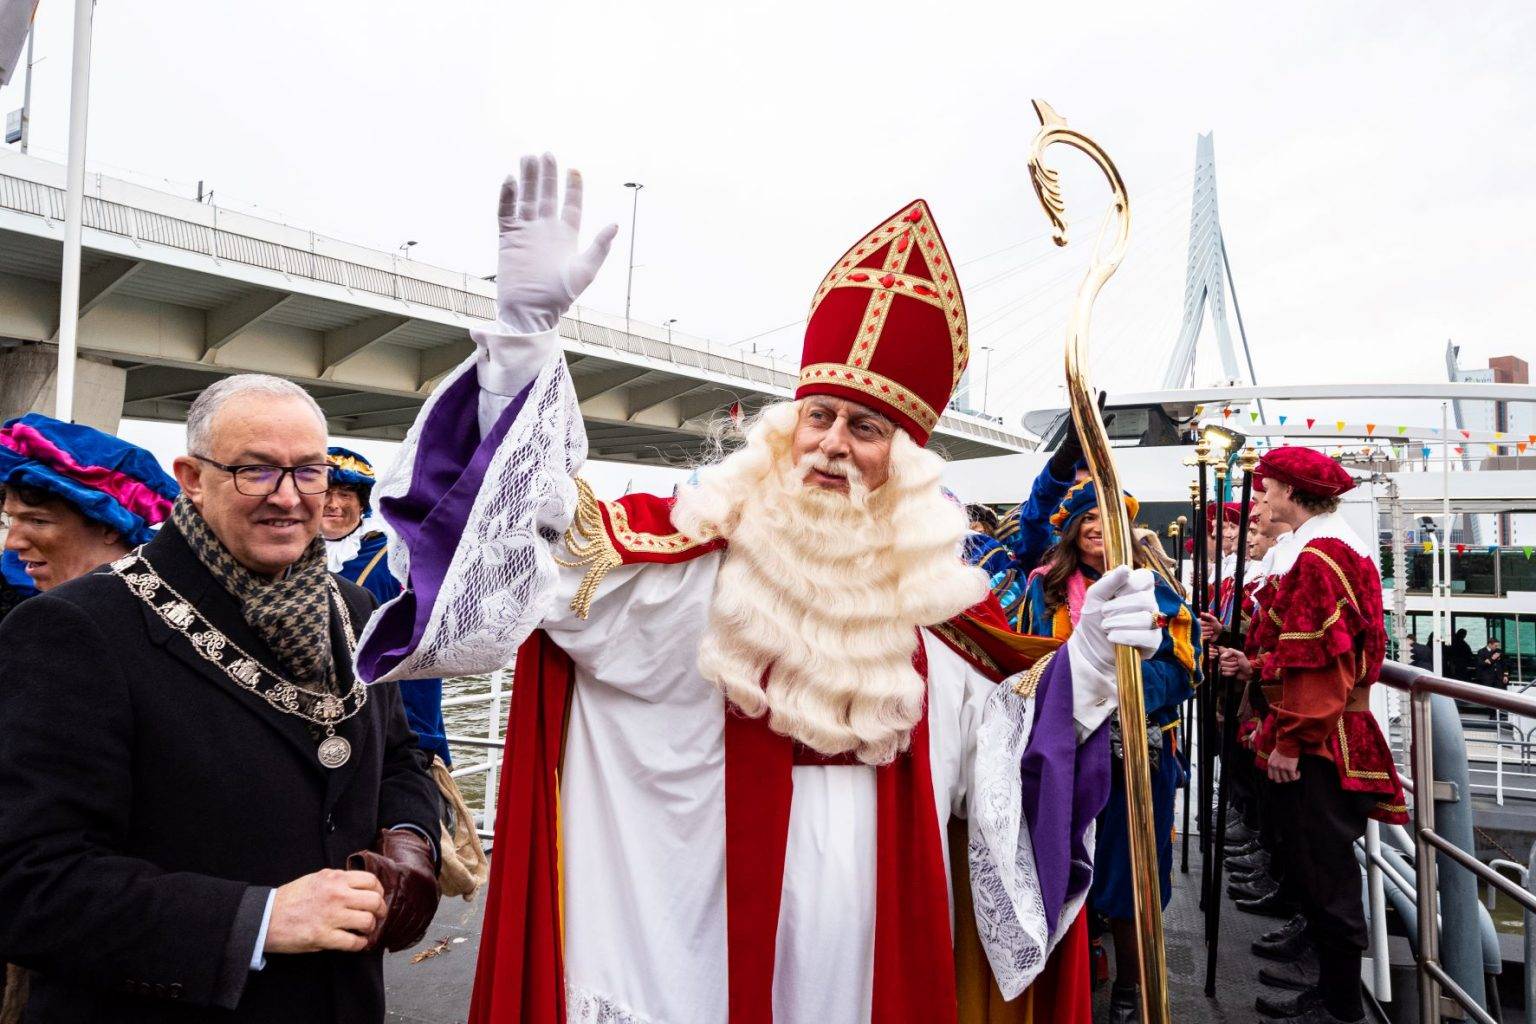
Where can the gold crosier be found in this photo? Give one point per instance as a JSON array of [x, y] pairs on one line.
[[1117, 538]]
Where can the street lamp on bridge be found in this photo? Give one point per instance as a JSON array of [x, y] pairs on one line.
[[634, 214]]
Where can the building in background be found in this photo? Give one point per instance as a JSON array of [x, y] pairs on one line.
[[1516, 420]]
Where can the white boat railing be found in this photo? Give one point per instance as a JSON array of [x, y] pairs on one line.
[[490, 745]]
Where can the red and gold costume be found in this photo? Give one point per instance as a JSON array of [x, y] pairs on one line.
[[654, 854], [1320, 640]]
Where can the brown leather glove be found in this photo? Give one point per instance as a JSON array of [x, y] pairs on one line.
[[402, 862]]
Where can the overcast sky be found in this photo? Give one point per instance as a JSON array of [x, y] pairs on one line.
[[1375, 159]]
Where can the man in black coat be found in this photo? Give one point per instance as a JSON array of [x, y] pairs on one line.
[[202, 817]]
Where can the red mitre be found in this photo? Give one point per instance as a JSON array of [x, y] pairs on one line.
[[1306, 470], [887, 326]]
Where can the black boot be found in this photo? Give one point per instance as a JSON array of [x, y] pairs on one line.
[[1290, 946], [1124, 1004], [1271, 905], [1253, 861], [1285, 931], [1298, 975], [1239, 834], [1257, 890], [1317, 1013], [1288, 1006], [1235, 851]]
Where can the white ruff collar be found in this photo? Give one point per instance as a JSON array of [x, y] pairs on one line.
[[1328, 526], [339, 552]]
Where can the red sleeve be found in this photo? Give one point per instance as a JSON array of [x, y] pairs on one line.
[[1310, 704]]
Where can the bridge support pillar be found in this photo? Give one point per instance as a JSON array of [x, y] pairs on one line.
[[28, 375]]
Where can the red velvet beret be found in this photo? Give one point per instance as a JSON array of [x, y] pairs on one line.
[[1230, 511], [1304, 469]]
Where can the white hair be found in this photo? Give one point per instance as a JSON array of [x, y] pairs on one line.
[[815, 614], [206, 406]]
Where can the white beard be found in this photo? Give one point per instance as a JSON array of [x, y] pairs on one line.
[[823, 592]]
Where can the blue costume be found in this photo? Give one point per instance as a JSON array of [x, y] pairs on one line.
[[369, 569], [1168, 680]]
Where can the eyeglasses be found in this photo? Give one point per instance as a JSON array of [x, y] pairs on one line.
[[257, 481]]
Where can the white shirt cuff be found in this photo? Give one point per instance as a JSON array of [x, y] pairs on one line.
[[259, 955], [506, 361]]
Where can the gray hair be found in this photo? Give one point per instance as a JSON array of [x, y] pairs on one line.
[[206, 406]]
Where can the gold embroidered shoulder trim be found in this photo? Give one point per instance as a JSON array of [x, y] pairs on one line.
[[589, 546], [1337, 571], [1314, 634], [1030, 680]]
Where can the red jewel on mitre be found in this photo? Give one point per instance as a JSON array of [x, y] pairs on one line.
[[1304, 469], [887, 326]]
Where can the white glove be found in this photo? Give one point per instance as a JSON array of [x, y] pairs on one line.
[[539, 273], [1119, 608]]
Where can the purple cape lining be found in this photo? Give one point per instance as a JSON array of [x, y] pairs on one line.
[[1066, 785], [451, 460]]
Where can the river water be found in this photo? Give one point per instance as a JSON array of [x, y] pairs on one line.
[[473, 720]]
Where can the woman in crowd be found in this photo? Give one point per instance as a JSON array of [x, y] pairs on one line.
[[1052, 602]]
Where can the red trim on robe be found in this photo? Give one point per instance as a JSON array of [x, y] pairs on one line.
[[914, 978]]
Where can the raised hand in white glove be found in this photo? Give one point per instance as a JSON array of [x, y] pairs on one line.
[[538, 270], [1119, 608]]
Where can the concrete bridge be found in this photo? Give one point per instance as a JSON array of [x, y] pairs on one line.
[[176, 293]]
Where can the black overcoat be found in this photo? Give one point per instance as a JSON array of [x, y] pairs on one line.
[[148, 804]]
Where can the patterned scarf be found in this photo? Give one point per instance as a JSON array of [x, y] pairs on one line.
[[291, 613]]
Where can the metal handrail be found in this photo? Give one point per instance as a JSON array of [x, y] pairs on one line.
[[1421, 686]]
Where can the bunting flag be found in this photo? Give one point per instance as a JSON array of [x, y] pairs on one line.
[[1402, 430], [1461, 549], [1370, 429], [1199, 409], [1493, 448], [1309, 423], [1531, 438], [1253, 417], [1459, 450], [1226, 411], [1435, 431], [1528, 550], [1466, 433], [1429, 545], [1426, 450], [1340, 425], [1284, 418], [1520, 447]]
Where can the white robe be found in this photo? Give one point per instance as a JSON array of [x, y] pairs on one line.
[[643, 781]]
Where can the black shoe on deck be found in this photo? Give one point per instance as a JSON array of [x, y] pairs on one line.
[[1292, 1005], [1125, 1004], [1250, 862], [1298, 975], [1272, 905], [1285, 931], [1254, 891], [1316, 1014], [1291, 946]]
